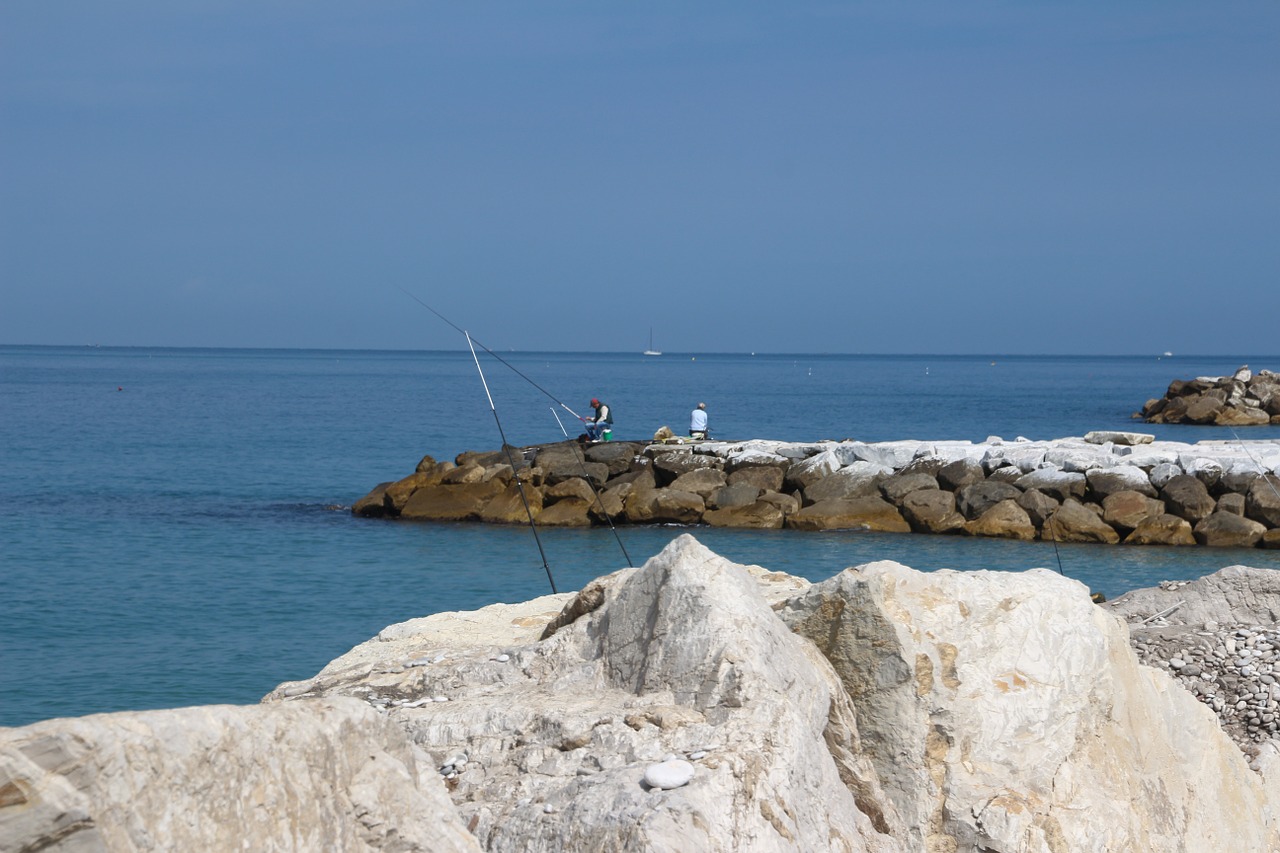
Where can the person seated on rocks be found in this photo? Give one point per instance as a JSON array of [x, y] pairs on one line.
[[698, 422], [601, 426]]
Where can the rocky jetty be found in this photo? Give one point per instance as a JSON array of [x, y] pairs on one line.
[[691, 704], [1107, 487], [1243, 399]]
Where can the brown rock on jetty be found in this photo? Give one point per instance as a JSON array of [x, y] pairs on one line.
[[1107, 487], [1242, 399]]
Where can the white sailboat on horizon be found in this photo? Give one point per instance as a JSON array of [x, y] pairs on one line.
[[651, 350]]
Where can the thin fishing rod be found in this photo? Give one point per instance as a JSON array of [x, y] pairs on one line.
[[1265, 472], [471, 340], [514, 470], [1049, 525], [582, 463]]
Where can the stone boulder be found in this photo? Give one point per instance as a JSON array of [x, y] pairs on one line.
[[1262, 503], [447, 502], [612, 502], [399, 492], [767, 478], [975, 499], [1103, 482], [1235, 595], [898, 486], [1186, 497], [703, 482], [806, 472], [1127, 439], [374, 504], [1007, 712], [1038, 506], [566, 461], [616, 456], [574, 487], [1162, 530], [1055, 483], [664, 506], [932, 511], [669, 465], [871, 513], [960, 473], [857, 480], [567, 512], [1005, 520], [760, 515], [510, 507], [1129, 509], [683, 658], [1073, 522], [734, 495], [1228, 530], [321, 774]]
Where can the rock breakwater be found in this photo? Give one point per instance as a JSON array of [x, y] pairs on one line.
[[1107, 487], [1243, 399]]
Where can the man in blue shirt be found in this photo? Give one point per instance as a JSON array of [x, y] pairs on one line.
[[698, 422]]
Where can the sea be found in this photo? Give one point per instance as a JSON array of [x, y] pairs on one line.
[[175, 524]]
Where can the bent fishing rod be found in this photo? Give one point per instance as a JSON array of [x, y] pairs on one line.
[[514, 470], [472, 343], [515, 369]]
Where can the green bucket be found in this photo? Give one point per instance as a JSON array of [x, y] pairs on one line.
[[608, 434]]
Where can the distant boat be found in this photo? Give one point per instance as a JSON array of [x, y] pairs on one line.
[[1167, 354], [651, 350]]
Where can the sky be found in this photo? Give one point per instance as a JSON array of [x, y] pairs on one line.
[[884, 177]]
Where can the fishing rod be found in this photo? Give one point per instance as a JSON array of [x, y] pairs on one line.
[[582, 463], [494, 354], [514, 470], [1265, 473], [473, 343]]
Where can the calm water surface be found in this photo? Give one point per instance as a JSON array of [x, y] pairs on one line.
[[175, 524]]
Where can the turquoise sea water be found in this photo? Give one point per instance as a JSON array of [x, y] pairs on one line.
[[175, 524]]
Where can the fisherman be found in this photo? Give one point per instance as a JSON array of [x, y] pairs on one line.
[[601, 426], [698, 422]]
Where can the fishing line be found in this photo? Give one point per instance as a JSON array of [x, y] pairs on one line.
[[473, 343], [1265, 471], [514, 470], [492, 353], [582, 463], [1052, 522]]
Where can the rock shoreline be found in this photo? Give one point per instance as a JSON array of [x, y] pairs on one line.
[[698, 704], [1106, 487], [1243, 399]]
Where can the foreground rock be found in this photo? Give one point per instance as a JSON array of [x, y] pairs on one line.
[[1242, 399], [920, 711], [1107, 487], [1220, 637], [692, 704], [332, 774]]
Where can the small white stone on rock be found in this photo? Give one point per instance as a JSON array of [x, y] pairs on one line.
[[503, 658], [668, 774]]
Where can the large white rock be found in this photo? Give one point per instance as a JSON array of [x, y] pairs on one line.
[[317, 775], [1007, 712]]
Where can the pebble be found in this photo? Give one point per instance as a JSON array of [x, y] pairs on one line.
[[668, 774], [1232, 669], [502, 658], [547, 808], [695, 756]]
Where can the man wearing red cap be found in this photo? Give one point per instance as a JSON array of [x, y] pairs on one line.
[[602, 423]]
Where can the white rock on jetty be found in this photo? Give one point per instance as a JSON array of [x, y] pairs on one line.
[[884, 709]]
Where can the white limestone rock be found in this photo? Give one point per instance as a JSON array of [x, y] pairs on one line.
[[1128, 439], [308, 775], [1007, 712]]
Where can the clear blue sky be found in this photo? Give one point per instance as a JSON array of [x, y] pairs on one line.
[[927, 177]]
